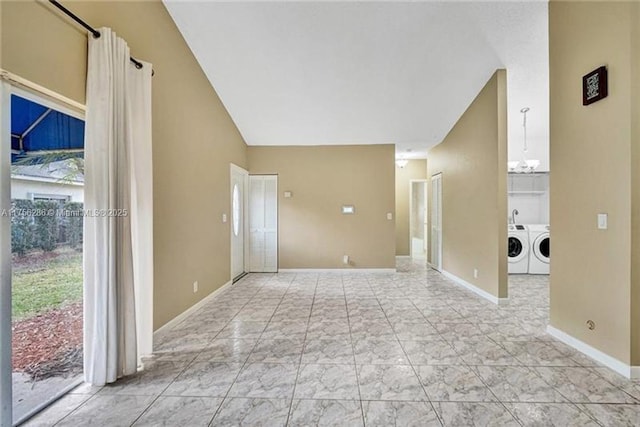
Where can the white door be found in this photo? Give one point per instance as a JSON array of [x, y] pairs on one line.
[[436, 222], [239, 179], [263, 223], [418, 219]]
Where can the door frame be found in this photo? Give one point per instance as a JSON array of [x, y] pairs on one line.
[[426, 214], [11, 84], [439, 266], [245, 219], [277, 220]]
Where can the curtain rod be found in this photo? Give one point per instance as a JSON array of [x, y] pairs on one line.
[[92, 30]]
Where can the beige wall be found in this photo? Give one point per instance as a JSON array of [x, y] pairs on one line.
[[472, 160], [415, 169], [194, 139], [313, 233], [591, 173]]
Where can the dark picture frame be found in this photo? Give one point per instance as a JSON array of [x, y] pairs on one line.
[[595, 86]]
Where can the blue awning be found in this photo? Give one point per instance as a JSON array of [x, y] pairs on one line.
[[38, 129]]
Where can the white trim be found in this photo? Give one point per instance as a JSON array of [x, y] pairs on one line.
[[592, 352], [403, 256], [20, 84], [473, 288], [336, 270], [635, 372], [60, 181], [245, 216], [180, 317]]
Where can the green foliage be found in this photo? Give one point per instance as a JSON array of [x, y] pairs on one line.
[[46, 225], [22, 226], [73, 222]]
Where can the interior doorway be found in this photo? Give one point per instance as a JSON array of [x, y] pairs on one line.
[[418, 219], [263, 223], [436, 222], [239, 221]]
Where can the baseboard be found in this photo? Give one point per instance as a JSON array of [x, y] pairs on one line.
[[484, 294], [592, 352], [180, 317], [403, 256], [336, 270], [635, 372]]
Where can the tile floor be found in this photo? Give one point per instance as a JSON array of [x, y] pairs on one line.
[[404, 349]]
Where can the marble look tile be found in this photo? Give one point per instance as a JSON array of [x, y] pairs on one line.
[[453, 383], [458, 414], [375, 351], [174, 411], [238, 329], [537, 353], [328, 351], [377, 330], [108, 410], [151, 381], [57, 411], [398, 413], [460, 332], [550, 414], [483, 353], [614, 415], [277, 351], [329, 330], [285, 329], [581, 385], [518, 384], [227, 350], [252, 413], [327, 382], [179, 342], [338, 413], [211, 379], [265, 380], [509, 331], [431, 353], [389, 382], [415, 332]]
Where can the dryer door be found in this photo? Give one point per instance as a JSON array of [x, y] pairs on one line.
[[541, 247]]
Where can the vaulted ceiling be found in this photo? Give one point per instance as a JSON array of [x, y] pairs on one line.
[[312, 73]]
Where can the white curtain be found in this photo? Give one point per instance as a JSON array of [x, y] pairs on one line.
[[118, 266]]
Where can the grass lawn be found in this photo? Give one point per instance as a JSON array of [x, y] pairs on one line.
[[44, 281]]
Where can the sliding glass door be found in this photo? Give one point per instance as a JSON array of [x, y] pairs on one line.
[[44, 219]]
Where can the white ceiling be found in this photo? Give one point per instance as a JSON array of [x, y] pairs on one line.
[[313, 73]]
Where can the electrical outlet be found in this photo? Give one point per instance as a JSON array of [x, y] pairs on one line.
[[591, 325], [224, 217], [195, 286], [345, 259], [389, 216], [475, 273]]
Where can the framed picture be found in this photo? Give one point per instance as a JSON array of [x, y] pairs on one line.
[[594, 86]]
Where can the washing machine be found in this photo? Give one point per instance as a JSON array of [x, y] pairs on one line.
[[518, 249], [539, 255]]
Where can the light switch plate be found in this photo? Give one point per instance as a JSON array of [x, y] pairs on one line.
[[287, 194], [602, 221], [348, 209], [389, 216], [224, 217]]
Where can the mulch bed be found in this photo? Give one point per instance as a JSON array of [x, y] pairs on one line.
[[49, 344]]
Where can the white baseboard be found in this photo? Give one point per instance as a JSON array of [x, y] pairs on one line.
[[592, 352], [473, 288], [403, 256], [180, 317], [337, 270]]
